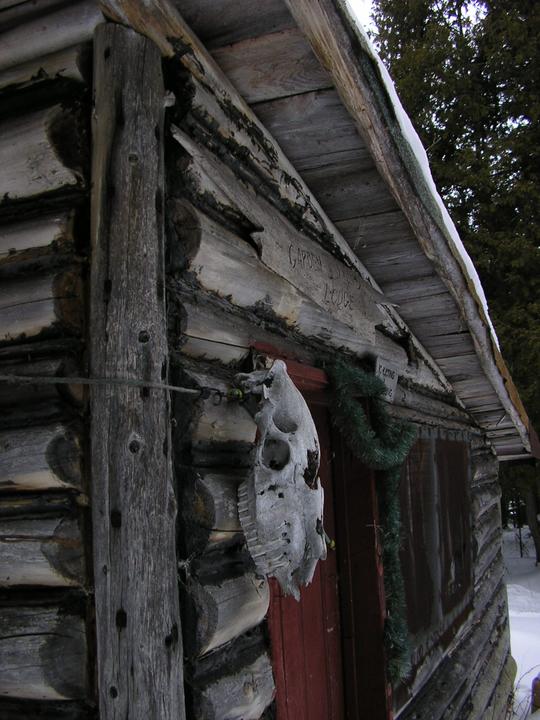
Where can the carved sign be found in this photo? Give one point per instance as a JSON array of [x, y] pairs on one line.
[[335, 287], [389, 375]]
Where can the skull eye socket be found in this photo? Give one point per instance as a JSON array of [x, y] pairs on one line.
[[284, 424], [275, 454]]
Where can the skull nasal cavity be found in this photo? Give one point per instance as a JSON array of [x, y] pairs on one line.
[[275, 454]]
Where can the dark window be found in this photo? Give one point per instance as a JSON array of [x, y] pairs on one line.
[[436, 549]]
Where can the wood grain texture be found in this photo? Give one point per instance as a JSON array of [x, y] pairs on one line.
[[18, 240], [308, 267], [60, 28], [243, 695], [210, 510], [65, 64], [24, 404], [237, 21], [40, 153], [272, 66], [45, 305], [227, 609], [42, 653], [300, 125], [43, 458], [44, 551], [139, 640], [275, 277]]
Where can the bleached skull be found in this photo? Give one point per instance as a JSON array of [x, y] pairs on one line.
[[281, 503]]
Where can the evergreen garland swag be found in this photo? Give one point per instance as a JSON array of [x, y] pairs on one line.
[[381, 443]]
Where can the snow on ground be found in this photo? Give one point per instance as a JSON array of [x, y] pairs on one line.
[[523, 583]]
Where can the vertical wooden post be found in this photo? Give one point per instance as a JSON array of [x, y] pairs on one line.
[[133, 505]]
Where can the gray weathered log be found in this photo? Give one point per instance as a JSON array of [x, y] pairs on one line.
[[163, 24], [24, 402], [41, 551], [241, 696], [139, 638], [41, 458], [210, 510], [41, 153], [42, 653], [51, 304], [229, 338], [337, 288], [68, 64], [61, 28], [221, 258], [223, 422], [227, 609], [17, 240]]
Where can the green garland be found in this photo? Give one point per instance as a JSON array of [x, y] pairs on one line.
[[381, 443]]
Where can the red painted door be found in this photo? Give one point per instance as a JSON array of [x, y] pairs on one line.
[[328, 649], [306, 635]]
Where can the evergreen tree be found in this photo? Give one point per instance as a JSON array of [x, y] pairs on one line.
[[468, 74]]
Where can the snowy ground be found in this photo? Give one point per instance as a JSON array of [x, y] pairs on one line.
[[523, 582]]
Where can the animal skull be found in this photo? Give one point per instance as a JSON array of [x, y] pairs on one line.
[[281, 503]]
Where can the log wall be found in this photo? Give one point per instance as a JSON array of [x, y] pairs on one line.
[[46, 645]]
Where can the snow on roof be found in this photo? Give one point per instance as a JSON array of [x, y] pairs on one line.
[[419, 156]]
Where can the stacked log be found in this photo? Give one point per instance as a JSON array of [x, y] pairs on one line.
[[44, 151]]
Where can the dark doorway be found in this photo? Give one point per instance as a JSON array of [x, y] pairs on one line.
[[327, 649]]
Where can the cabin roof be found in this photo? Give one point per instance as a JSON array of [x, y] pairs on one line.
[[341, 124]]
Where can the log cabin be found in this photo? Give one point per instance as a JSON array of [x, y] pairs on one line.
[[193, 192]]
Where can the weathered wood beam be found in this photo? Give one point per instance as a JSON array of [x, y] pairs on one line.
[[349, 191], [223, 422], [226, 609], [219, 258], [24, 403], [229, 338], [139, 638], [42, 458], [311, 269], [17, 240], [41, 551], [42, 653], [50, 304], [68, 64], [56, 30], [210, 510], [243, 695], [41, 153], [271, 66]]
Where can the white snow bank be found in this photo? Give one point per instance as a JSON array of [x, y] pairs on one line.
[[417, 149], [523, 584]]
